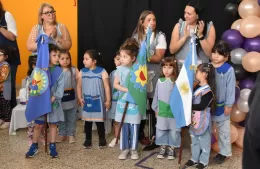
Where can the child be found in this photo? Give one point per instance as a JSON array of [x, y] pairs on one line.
[[67, 128], [54, 117], [94, 96], [129, 131], [225, 97], [166, 132], [5, 89], [115, 95], [200, 128]]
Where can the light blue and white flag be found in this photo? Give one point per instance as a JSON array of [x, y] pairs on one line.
[[181, 96]]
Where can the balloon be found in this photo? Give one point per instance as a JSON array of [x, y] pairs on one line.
[[244, 94], [236, 55], [215, 147], [246, 84], [250, 27], [233, 38], [251, 61], [248, 8], [252, 44], [231, 8], [240, 138], [242, 105], [240, 72], [233, 133], [237, 95], [236, 115], [236, 24], [242, 123]]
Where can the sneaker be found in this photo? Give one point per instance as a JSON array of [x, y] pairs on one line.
[[201, 166], [134, 155], [123, 154], [102, 144], [32, 151], [72, 139], [150, 147], [113, 143], [60, 139], [52, 150], [171, 153], [162, 153], [5, 125], [220, 158], [87, 144], [190, 163], [1, 122]]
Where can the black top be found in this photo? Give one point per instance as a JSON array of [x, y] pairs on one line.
[[205, 101]]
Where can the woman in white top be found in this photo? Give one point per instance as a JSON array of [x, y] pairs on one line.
[[8, 34], [48, 24], [157, 50]]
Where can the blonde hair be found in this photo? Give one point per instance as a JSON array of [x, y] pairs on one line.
[[139, 30], [43, 5]]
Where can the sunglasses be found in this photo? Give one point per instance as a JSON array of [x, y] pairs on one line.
[[48, 13]]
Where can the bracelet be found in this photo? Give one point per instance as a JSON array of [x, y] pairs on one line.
[[202, 38]]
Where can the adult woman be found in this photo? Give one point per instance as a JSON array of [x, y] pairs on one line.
[[180, 39], [47, 24], [8, 34], [157, 49]]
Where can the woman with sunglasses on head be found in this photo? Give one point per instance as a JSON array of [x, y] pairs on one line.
[[47, 24]]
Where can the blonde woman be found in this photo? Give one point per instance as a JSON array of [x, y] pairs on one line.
[[47, 24]]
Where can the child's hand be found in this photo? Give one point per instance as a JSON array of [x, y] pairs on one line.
[[107, 105], [52, 99], [227, 110], [81, 102]]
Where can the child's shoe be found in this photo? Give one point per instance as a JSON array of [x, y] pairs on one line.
[[32, 151], [220, 158], [72, 139], [53, 152], [162, 153], [201, 166], [190, 163], [87, 144], [102, 144], [5, 125], [134, 155], [1, 122], [113, 143], [171, 153], [123, 154]]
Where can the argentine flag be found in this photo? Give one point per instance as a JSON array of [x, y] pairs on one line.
[[181, 96]]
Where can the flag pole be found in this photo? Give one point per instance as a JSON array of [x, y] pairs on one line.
[[122, 121], [45, 132], [181, 147]]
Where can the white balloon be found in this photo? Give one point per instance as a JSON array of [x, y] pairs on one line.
[[237, 55], [242, 105], [244, 94]]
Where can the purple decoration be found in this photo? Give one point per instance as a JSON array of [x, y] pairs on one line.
[[237, 95], [233, 38], [246, 84], [252, 44], [258, 2]]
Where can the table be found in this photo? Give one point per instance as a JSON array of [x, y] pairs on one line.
[[18, 119]]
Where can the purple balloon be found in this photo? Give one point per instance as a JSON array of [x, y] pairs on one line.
[[237, 95], [246, 84], [252, 44], [233, 38]]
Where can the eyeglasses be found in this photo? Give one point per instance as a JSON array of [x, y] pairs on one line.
[[49, 13]]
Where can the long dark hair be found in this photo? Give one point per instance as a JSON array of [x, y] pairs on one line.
[[95, 55], [210, 70], [131, 47], [31, 61], [4, 49], [2, 12]]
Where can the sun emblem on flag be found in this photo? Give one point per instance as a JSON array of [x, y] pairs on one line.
[[39, 83], [141, 75], [184, 88]]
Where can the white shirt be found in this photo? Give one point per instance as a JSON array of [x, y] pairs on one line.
[[11, 24], [162, 44]]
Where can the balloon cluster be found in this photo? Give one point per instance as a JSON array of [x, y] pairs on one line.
[[244, 39]]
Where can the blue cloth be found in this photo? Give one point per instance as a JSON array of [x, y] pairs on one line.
[[169, 137], [129, 136]]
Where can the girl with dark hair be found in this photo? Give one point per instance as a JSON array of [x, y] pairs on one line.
[[158, 48], [202, 106], [94, 96], [225, 97], [183, 31]]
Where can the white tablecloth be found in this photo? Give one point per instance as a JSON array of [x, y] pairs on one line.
[[18, 119]]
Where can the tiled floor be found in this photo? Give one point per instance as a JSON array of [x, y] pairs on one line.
[[74, 156]]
